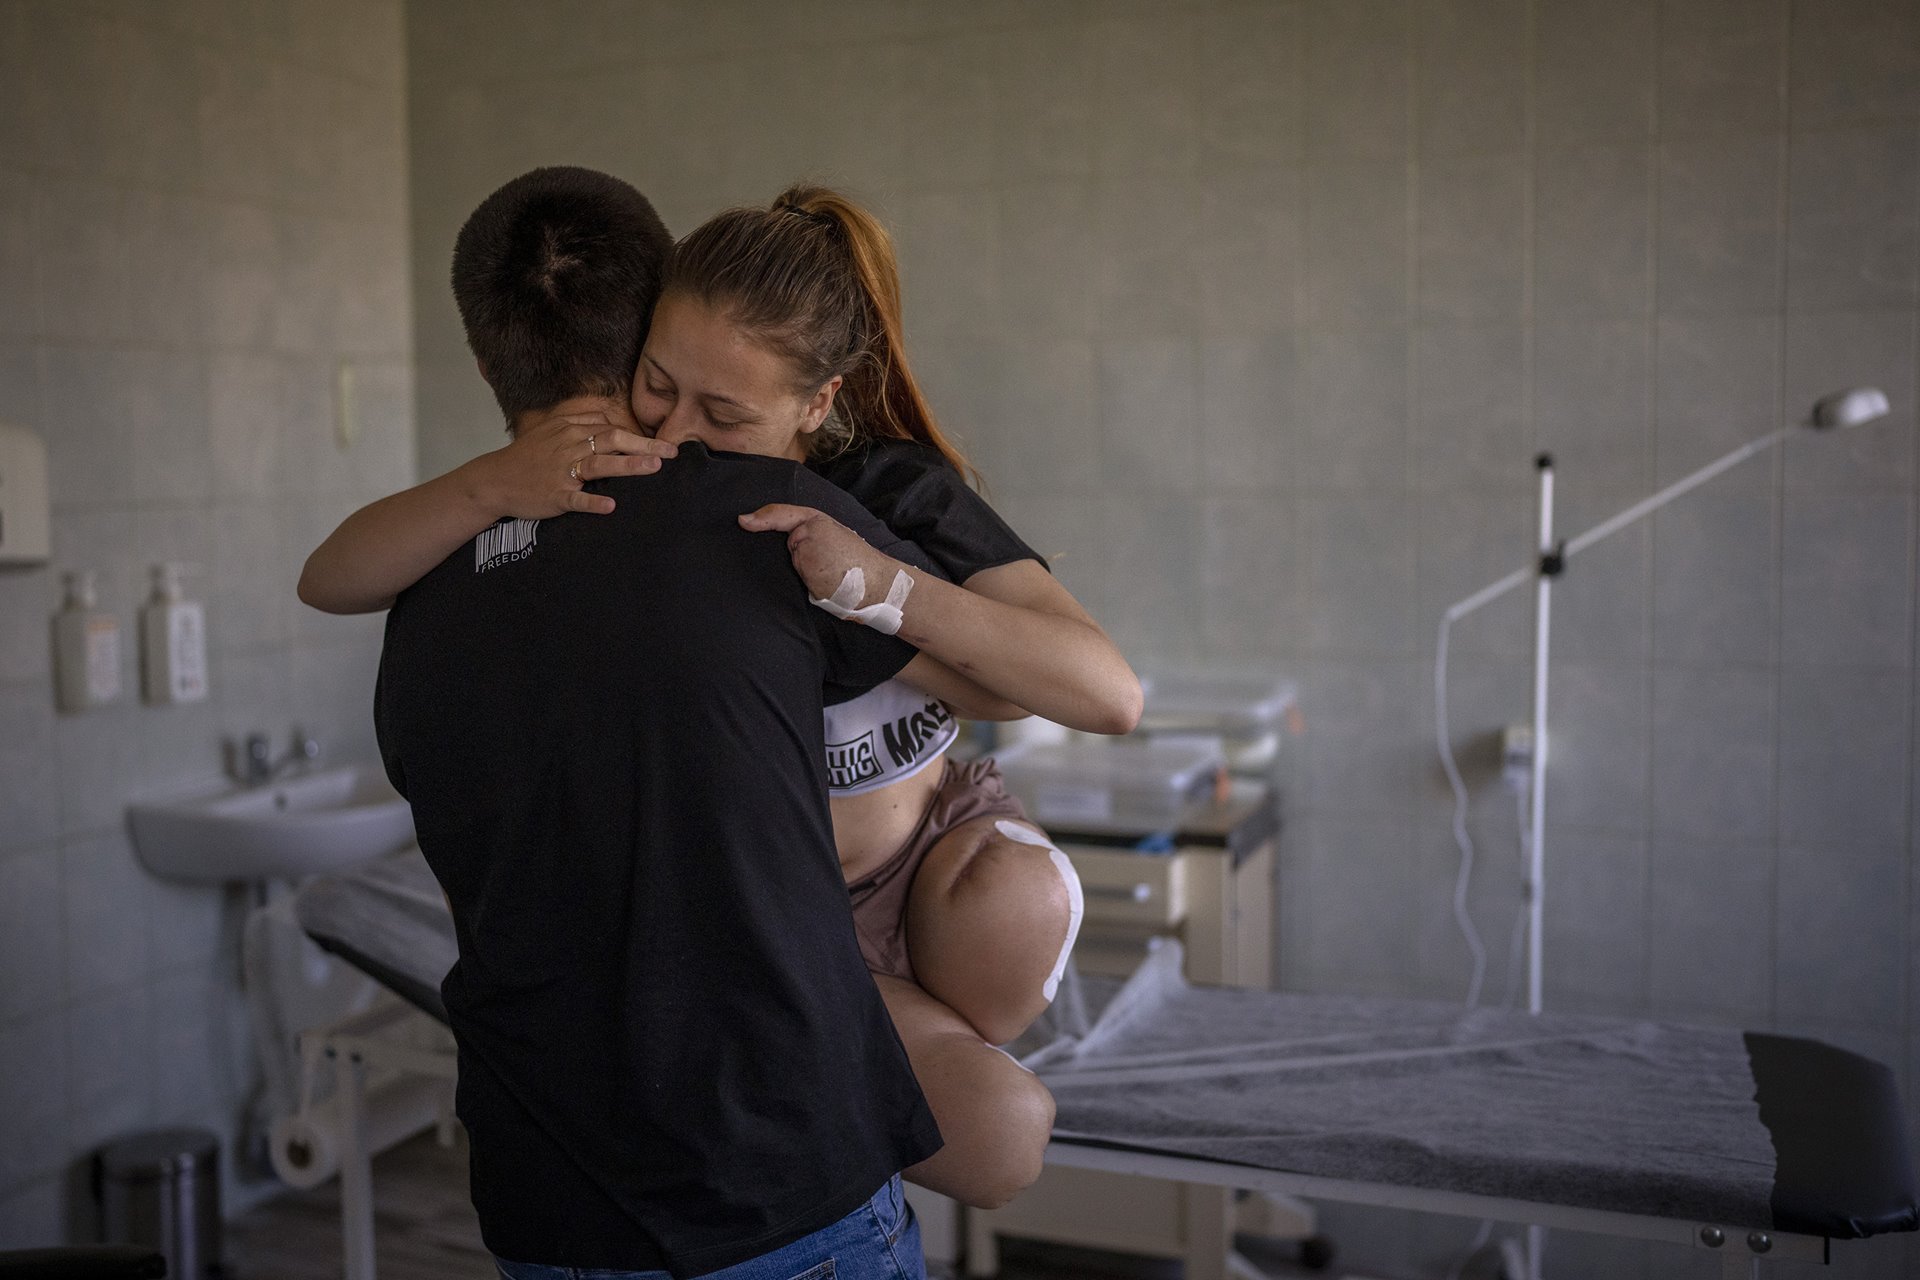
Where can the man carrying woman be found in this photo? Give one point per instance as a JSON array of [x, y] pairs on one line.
[[777, 330]]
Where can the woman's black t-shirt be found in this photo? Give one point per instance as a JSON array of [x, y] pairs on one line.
[[671, 1055], [913, 490]]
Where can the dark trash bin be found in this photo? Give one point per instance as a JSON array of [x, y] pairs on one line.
[[162, 1190]]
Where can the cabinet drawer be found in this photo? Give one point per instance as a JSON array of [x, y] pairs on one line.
[[1122, 888]]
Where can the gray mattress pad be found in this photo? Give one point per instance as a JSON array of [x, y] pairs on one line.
[[1603, 1113]]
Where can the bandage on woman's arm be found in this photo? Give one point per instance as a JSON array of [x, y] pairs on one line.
[[1013, 630]]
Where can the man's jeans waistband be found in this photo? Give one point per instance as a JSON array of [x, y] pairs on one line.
[[878, 1241]]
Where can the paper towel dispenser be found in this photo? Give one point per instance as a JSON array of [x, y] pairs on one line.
[[25, 524]]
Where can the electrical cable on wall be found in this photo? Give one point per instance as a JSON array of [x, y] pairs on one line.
[[1461, 836]]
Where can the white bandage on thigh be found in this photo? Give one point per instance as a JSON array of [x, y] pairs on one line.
[[1076, 899], [1009, 1057], [884, 617]]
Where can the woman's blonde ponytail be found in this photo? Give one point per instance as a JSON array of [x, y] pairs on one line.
[[815, 276]]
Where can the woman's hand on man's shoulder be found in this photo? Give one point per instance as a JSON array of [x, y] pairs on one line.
[[543, 470]]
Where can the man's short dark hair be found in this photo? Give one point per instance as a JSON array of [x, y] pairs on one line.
[[556, 274]]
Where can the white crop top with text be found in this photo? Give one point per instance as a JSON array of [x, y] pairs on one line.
[[888, 733]]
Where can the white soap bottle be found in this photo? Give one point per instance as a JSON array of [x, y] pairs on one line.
[[173, 641], [86, 648]]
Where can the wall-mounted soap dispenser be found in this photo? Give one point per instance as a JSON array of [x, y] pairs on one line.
[[25, 526], [86, 648], [173, 641]]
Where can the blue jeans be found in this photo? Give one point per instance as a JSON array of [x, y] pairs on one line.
[[878, 1241]]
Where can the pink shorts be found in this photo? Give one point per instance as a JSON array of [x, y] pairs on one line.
[[969, 790]]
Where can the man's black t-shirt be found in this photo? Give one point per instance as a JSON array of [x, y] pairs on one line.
[[671, 1054]]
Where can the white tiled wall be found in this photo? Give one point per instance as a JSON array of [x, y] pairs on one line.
[[202, 221]]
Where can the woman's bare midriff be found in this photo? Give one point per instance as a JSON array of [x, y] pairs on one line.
[[868, 829]]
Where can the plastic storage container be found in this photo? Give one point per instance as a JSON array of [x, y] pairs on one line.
[[1243, 715], [162, 1190], [1111, 786]]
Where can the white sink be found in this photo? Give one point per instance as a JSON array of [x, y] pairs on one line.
[[317, 822]]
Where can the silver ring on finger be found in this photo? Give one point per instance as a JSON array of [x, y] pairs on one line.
[[574, 471], [590, 445]]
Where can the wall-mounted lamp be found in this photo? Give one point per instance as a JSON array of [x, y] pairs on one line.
[[1851, 408]]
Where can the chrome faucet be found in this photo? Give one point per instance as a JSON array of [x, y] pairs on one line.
[[253, 764]]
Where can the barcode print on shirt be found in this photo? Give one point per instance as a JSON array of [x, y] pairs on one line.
[[512, 540]]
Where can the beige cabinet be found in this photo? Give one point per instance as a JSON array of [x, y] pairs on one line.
[[1213, 891], [1218, 901]]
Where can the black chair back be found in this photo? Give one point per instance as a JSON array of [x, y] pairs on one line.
[[89, 1262]]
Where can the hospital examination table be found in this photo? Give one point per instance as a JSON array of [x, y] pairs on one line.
[[1752, 1146]]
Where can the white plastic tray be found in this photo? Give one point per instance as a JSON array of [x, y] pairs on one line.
[[1110, 783]]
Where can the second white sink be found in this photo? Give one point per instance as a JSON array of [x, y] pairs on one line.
[[317, 822]]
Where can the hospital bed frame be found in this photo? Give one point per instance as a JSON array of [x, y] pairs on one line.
[[1210, 1254], [357, 1050]]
